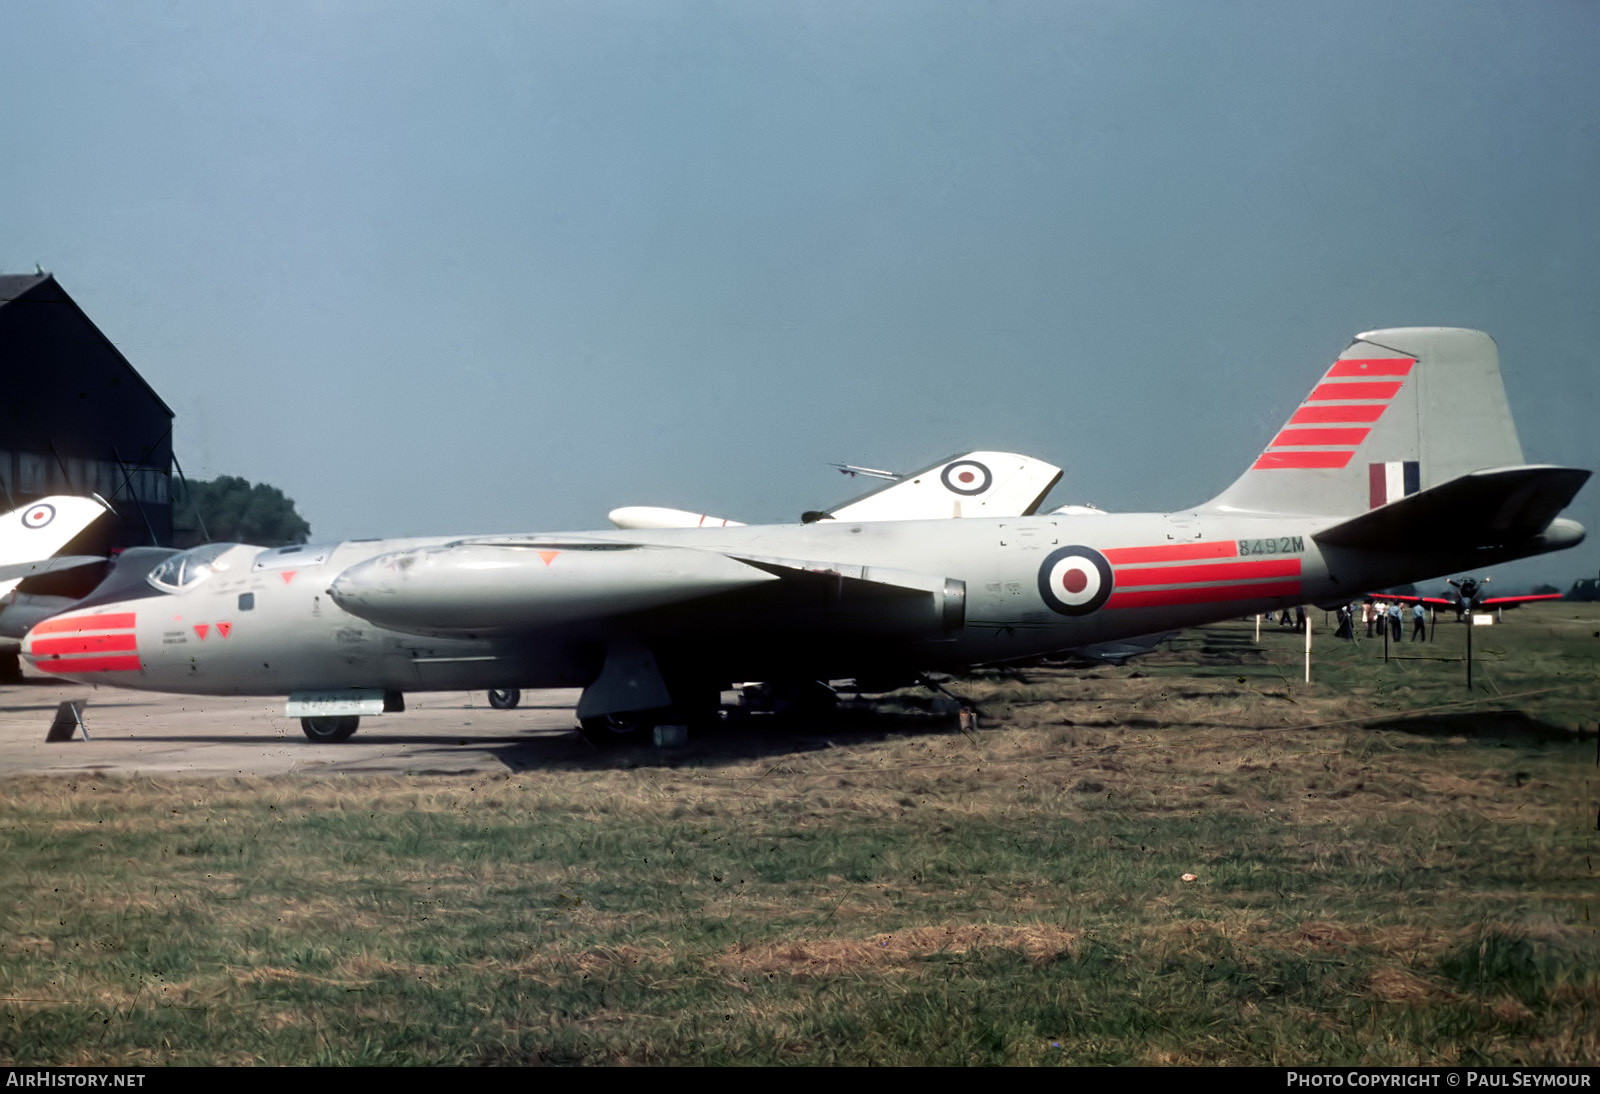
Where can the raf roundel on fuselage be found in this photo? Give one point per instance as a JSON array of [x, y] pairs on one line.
[[1075, 580]]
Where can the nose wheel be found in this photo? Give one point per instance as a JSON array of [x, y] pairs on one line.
[[504, 698], [329, 730]]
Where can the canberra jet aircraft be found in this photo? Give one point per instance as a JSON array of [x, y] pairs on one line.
[[29, 539], [653, 624]]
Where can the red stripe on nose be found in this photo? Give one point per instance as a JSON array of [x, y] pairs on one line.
[[68, 624], [94, 643], [90, 664]]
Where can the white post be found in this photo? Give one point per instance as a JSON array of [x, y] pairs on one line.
[[1258, 628], [1308, 649]]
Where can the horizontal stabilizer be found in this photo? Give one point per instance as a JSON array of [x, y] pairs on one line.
[[1483, 509]]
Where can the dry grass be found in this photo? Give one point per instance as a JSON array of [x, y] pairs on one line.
[[1385, 869]]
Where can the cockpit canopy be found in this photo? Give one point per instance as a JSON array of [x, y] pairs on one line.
[[189, 567]]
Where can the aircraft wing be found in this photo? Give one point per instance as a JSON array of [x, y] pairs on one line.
[[1481, 509], [509, 584], [1515, 601], [517, 583], [1435, 601]]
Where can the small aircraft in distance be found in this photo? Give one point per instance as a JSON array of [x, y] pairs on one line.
[[870, 472], [653, 625], [29, 539], [1469, 597], [972, 484]]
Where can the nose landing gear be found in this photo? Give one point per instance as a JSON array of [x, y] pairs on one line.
[[504, 698]]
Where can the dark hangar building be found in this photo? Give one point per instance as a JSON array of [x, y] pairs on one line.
[[75, 418]]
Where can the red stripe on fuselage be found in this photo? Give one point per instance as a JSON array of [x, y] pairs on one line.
[[1216, 571], [94, 643], [1379, 390], [114, 621], [1158, 598], [1291, 437], [1373, 366], [1355, 412], [1176, 552], [73, 665], [1276, 461]]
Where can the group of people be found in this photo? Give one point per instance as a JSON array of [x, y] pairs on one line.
[[1380, 614], [1374, 613]]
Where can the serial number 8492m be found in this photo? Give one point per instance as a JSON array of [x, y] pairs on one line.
[[1283, 545]]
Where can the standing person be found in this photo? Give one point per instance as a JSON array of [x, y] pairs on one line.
[[1419, 622], [1346, 615], [1366, 615], [1300, 617], [1397, 629]]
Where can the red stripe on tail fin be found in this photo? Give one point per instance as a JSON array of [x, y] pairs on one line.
[[1372, 366]]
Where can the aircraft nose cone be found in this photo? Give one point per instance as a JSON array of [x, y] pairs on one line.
[[370, 583], [94, 645]]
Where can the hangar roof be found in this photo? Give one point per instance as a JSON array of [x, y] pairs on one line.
[[42, 288]]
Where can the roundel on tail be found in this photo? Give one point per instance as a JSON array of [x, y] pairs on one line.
[[1075, 580], [966, 477], [37, 516]]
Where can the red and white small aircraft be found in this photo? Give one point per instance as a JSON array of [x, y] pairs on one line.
[[1469, 598]]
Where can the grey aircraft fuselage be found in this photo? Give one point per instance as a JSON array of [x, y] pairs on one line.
[[1401, 462], [265, 622]]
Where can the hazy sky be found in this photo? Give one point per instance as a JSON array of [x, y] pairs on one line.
[[445, 267]]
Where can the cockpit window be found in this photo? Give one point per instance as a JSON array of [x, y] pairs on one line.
[[188, 567]]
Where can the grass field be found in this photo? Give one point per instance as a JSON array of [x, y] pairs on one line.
[[1197, 858]]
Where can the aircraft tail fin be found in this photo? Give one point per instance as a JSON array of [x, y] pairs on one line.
[[37, 531], [1399, 412], [973, 484]]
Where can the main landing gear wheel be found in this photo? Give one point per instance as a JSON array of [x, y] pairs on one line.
[[504, 698], [329, 730], [614, 730]]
